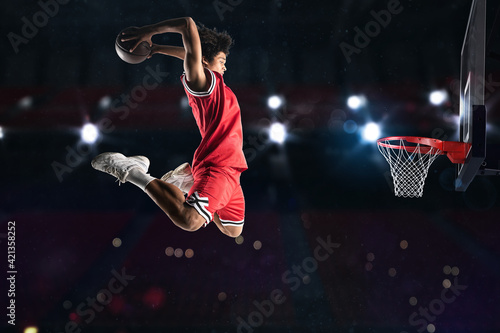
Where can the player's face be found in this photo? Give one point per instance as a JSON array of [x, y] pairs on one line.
[[218, 64]]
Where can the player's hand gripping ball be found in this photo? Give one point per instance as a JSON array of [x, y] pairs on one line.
[[122, 48]]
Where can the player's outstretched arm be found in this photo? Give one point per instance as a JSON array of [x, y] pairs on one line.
[[173, 51], [193, 67]]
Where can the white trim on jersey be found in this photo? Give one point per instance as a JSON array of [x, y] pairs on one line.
[[202, 93], [235, 223], [200, 204]]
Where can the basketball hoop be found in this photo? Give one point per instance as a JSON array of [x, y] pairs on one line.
[[410, 157]]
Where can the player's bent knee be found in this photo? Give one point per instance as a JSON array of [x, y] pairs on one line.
[[189, 224], [232, 231], [193, 223], [194, 226], [192, 220]]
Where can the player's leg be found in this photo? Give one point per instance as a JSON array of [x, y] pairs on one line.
[[228, 230], [167, 196], [231, 217], [171, 200], [216, 191]]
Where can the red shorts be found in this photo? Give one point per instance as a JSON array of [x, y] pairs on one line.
[[218, 190]]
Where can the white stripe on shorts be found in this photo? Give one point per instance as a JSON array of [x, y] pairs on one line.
[[200, 204], [235, 223]]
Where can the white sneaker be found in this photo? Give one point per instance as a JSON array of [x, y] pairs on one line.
[[119, 165], [180, 177]]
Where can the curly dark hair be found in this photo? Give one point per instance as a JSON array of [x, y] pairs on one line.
[[213, 42]]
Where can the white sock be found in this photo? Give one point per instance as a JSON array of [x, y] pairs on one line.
[[139, 178]]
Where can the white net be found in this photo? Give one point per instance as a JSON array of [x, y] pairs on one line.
[[409, 166]]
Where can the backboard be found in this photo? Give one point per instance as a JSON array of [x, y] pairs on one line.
[[472, 83]]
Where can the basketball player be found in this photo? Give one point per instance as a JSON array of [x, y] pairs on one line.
[[212, 183]]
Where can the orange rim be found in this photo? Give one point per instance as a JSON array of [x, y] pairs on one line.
[[455, 151]]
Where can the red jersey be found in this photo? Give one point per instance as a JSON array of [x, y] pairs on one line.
[[218, 117]]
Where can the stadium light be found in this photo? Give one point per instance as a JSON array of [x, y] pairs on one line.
[[89, 133], [438, 97], [371, 132], [277, 133], [356, 101], [274, 102]]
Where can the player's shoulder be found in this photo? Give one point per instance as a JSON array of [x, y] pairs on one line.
[[212, 83]]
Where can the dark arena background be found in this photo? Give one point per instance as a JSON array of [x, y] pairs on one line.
[[326, 247]]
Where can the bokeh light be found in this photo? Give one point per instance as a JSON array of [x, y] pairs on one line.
[[31, 329], [350, 126], [105, 102], [438, 97], [25, 103], [89, 133], [178, 252], [189, 253], [169, 251], [275, 102], [154, 297], [277, 133], [67, 304], [371, 132], [117, 242], [239, 240], [222, 296], [356, 101]]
